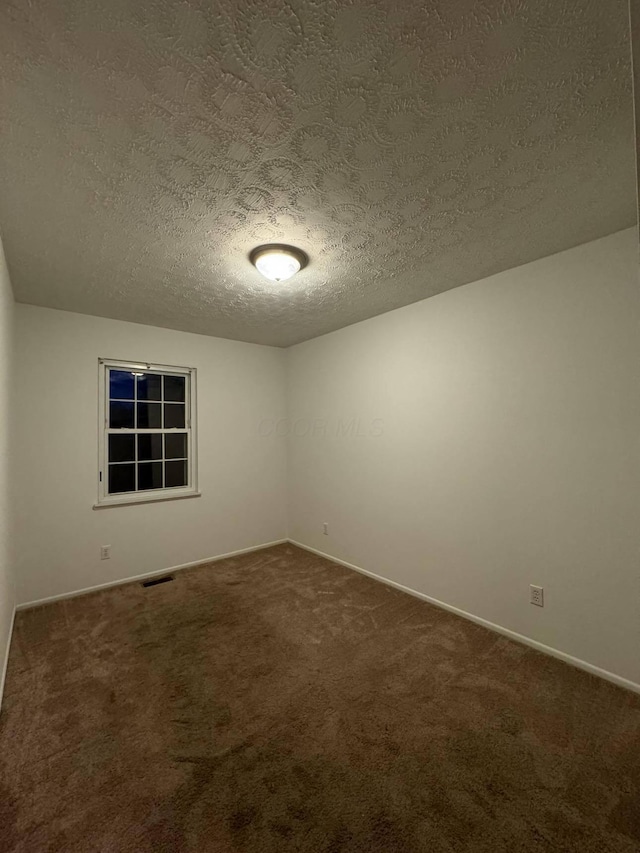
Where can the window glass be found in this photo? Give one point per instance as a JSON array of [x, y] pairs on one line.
[[174, 416], [149, 386], [121, 385], [174, 389], [121, 415], [149, 475], [149, 416], [147, 430], [149, 446], [122, 478], [122, 448], [175, 474], [175, 445]]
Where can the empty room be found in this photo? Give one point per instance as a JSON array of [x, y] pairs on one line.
[[319, 426]]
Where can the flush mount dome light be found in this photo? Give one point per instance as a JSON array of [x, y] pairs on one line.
[[278, 262]]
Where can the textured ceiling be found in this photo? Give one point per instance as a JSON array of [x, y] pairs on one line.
[[634, 16], [408, 147]]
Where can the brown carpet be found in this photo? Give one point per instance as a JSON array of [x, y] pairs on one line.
[[276, 702]]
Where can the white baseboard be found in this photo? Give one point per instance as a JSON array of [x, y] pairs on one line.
[[5, 663], [513, 635], [156, 573]]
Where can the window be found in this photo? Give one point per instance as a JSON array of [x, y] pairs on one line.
[[147, 432]]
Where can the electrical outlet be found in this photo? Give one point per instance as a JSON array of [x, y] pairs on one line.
[[536, 594], [105, 552], [325, 529]]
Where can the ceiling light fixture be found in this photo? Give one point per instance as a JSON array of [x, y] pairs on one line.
[[278, 262]]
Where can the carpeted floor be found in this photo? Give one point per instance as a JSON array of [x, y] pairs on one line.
[[276, 702]]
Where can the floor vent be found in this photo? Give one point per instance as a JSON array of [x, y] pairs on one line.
[[156, 581]]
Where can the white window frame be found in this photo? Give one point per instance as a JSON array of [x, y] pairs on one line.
[[150, 495]]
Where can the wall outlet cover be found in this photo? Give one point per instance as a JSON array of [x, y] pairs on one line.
[[536, 594]]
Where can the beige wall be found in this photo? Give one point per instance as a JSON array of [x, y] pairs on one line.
[[486, 439], [241, 473], [7, 592]]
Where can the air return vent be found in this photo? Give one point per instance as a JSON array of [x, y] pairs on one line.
[[156, 581]]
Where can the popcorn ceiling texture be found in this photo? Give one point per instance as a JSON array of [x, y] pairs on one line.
[[147, 145], [634, 17]]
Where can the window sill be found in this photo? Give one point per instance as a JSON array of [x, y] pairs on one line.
[[109, 504]]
